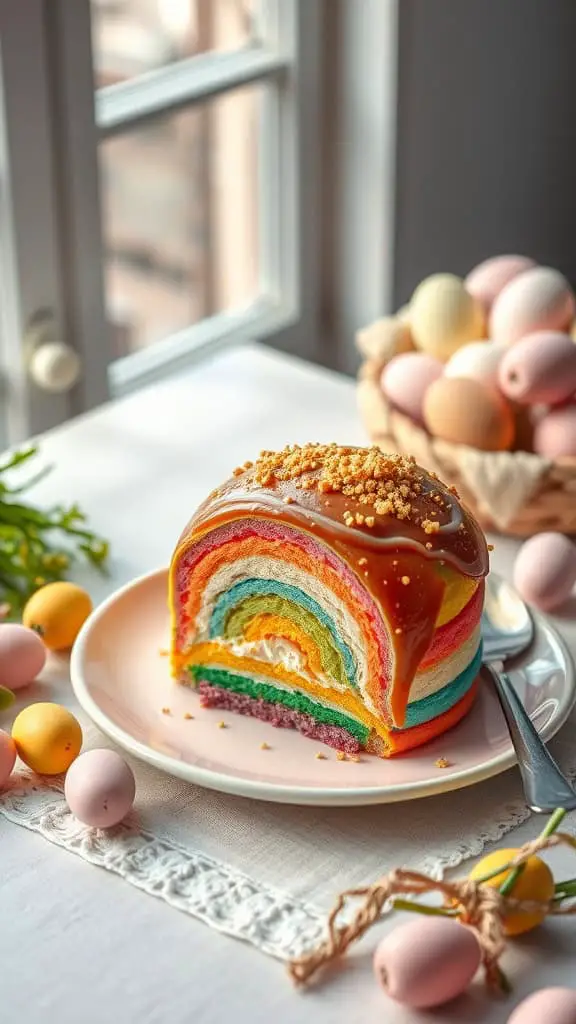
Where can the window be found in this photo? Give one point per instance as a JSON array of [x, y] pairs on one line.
[[158, 192]]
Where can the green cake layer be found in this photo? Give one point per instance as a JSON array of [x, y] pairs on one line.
[[294, 699]]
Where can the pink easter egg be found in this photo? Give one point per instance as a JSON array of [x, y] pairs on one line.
[[486, 281], [22, 655], [99, 788], [426, 962], [555, 433], [540, 368], [548, 1006], [406, 379], [7, 757], [539, 299], [478, 360], [545, 570]]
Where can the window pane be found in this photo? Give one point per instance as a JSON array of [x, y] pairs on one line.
[[180, 210], [134, 36]]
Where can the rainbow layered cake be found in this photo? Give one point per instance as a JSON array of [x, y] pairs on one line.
[[333, 590]]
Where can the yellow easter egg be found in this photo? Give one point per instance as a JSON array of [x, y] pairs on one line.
[[444, 317], [47, 737], [57, 612], [535, 884]]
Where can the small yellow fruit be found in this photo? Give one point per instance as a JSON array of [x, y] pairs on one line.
[[47, 737], [535, 884], [57, 612]]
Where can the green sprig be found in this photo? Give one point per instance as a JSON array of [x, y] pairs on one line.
[[38, 546]]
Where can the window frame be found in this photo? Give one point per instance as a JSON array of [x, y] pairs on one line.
[[65, 235]]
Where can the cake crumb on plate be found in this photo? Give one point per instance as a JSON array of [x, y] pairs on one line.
[[166, 711], [442, 762]]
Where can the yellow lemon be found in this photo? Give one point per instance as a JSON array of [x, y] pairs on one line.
[[47, 737], [57, 612], [535, 884]]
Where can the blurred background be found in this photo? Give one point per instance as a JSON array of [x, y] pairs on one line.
[[181, 174]]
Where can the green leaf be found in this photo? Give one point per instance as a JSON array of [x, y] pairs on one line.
[[6, 698]]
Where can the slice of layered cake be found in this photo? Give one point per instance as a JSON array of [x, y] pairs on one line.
[[334, 590]]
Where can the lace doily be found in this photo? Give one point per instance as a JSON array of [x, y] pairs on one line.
[[265, 873]]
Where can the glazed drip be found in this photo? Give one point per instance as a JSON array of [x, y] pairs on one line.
[[395, 555]]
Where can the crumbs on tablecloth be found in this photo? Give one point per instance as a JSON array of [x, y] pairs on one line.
[[222, 725], [166, 711], [265, 746], [188, 716], [320, 756], [442, 762]]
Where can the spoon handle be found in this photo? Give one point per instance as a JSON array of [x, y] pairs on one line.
[[545, 787]]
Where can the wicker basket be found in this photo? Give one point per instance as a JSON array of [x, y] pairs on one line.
[[517, 493]]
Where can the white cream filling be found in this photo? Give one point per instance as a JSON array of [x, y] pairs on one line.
[[260, 567]]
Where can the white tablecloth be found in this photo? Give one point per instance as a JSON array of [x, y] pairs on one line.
[[79, 943]]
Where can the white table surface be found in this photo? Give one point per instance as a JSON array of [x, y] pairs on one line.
[[78, 944]]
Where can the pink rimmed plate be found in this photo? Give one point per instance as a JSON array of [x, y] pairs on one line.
[[122, 680]]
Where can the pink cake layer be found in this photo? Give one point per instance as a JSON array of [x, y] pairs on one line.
[[278, 715]]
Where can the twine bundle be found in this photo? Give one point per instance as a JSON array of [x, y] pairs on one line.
[[479, 906]]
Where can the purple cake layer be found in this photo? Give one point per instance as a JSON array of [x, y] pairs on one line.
[[278, 715]]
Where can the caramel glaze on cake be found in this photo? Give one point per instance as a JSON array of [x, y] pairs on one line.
[[389, 520]]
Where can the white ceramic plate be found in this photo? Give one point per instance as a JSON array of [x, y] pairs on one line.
[[122, 680]]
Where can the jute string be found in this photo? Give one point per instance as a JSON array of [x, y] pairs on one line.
[[477, 905]]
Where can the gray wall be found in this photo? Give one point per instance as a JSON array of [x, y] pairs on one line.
[[486, 158]]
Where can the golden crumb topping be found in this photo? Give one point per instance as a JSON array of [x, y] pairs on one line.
[[386, 484]]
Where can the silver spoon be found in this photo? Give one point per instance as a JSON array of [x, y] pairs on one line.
[[507, 631]]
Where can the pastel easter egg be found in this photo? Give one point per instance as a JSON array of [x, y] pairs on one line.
[[444, 316], [406, 379], [7, 757], [545, 570], [100, 788], [47, 737], [469, 412], [479, 360], [540, 368], [424, 963], [550, 1005], [22, 655], [555, 433], [486, 281], [57, 612], [540, 299], [384, 338]]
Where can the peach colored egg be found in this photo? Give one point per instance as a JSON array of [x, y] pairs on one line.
[[100, 788], [7, 757], [406, 379], [427, 962], [486, 281], [466, 411], [537, 300], [545, 570], [443, 316], [540, 368], [548, 1006], [479, 360], [555, 433], [22, 655]]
